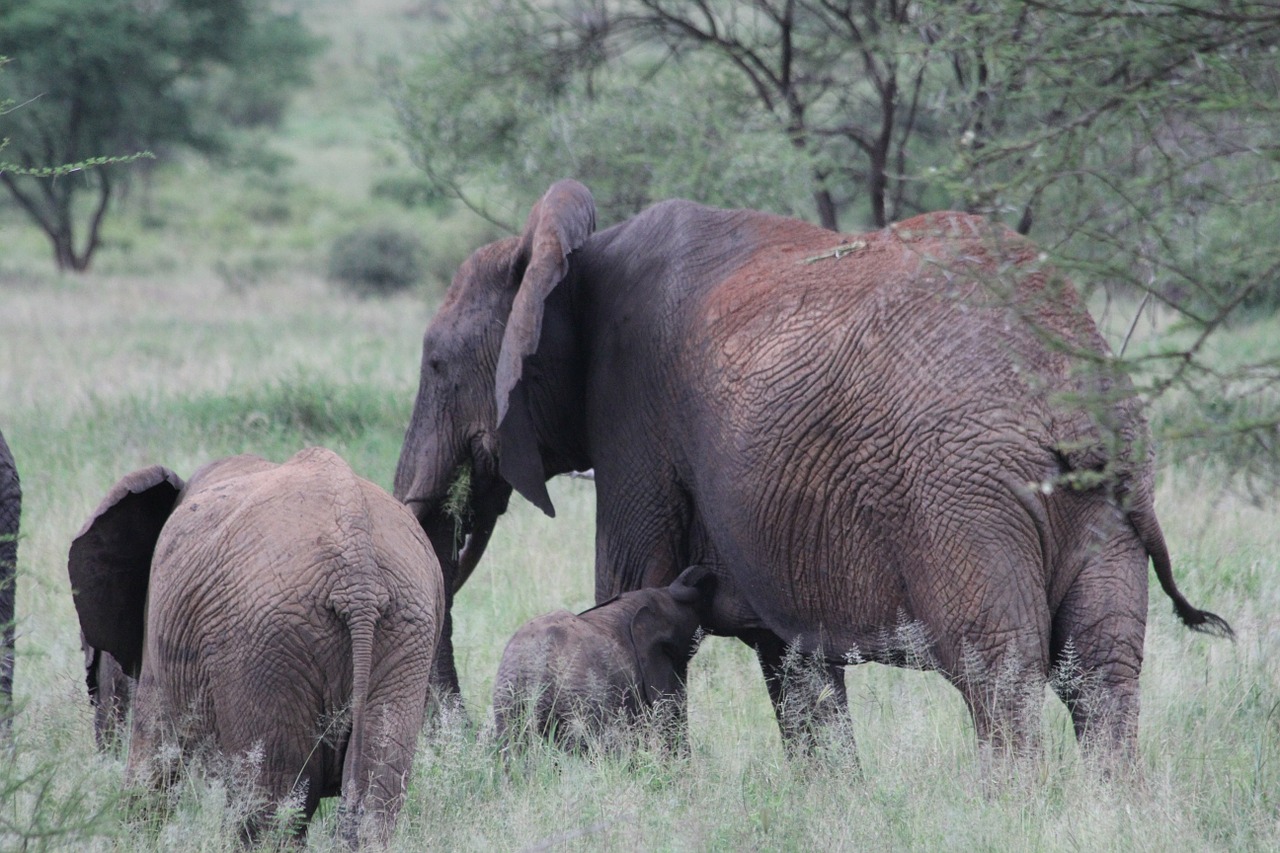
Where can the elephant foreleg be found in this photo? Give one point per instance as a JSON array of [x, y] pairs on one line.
[[444, 693], [808, 695]]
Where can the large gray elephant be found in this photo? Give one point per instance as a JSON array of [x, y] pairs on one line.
[[10, 512], [908, 446], [577, 677], [289, 608]]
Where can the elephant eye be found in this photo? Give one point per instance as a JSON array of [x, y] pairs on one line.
[[435, 364]]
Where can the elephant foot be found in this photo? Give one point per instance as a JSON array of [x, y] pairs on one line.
[[446, 712]]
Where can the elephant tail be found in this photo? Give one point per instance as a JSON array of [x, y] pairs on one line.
[[355, 773], [361, 628], [1148, 529]]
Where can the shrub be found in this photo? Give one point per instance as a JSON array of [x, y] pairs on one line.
[[376, 261], [412, 190]]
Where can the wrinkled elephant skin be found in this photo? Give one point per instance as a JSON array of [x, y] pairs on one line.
[[573, 677], [10, 512], [910, 445], [292, 609]]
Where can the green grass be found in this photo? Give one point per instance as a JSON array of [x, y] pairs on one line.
[[206, 330], [119, 372]]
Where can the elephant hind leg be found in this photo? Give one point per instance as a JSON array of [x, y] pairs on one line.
[[1097, 650], [808, 695], [375, 779], [291, 798], [1004, 692], [986, 614]]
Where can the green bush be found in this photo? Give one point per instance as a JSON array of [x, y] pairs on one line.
[[410, 191], [376, 261]]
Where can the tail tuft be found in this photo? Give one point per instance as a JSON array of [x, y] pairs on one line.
[[1148, 529], [1204, 622]]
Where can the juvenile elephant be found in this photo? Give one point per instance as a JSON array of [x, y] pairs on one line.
[[572, 677], [289, 608], [918, 428], [10, 512]]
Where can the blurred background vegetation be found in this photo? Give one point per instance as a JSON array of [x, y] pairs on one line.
[[312, 157], [380, 141]]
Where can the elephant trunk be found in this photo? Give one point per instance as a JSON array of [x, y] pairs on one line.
[[458, 521], [485, 510], [425, 471], [440, 530], [456, 566]]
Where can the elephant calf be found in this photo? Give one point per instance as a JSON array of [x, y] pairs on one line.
[[571, 677], [290, 610]]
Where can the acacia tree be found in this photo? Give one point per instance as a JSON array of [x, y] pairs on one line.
[[839, 83], [1137, 142], [877, 96], [94, 79]]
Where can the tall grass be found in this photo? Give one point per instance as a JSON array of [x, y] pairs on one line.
[[211, 333], [103, 376]]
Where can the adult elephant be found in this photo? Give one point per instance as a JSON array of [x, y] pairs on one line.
[[10, 512], [290, 609], [915, 428]]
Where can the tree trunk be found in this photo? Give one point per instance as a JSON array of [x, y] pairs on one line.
[[826, 208], [877, 188], [54, 217]]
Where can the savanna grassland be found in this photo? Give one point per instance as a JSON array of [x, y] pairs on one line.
[[207, 328]]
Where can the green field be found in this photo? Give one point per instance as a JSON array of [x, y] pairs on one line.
[[207, 329]]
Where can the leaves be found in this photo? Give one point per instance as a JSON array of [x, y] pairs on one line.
[[101, 83]]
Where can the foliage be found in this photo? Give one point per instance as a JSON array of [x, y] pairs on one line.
[[99, 78], [1150, 165], [872, 97], [50, 803], [377, 260], [411, 190], [483, 111], [1135, 142]]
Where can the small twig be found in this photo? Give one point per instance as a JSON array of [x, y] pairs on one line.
[[1137, 315], [839, 251]]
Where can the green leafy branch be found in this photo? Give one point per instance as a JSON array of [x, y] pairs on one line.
[[68, 168]]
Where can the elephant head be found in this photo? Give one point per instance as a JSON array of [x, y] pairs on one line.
[[110, 567], [472, 418], [664, 623]]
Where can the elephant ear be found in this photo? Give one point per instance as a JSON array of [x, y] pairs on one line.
[[560, 222], [693, 584], [110, 562]]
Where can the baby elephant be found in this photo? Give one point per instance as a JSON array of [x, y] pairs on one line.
[[572, 679], [287, 611]]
